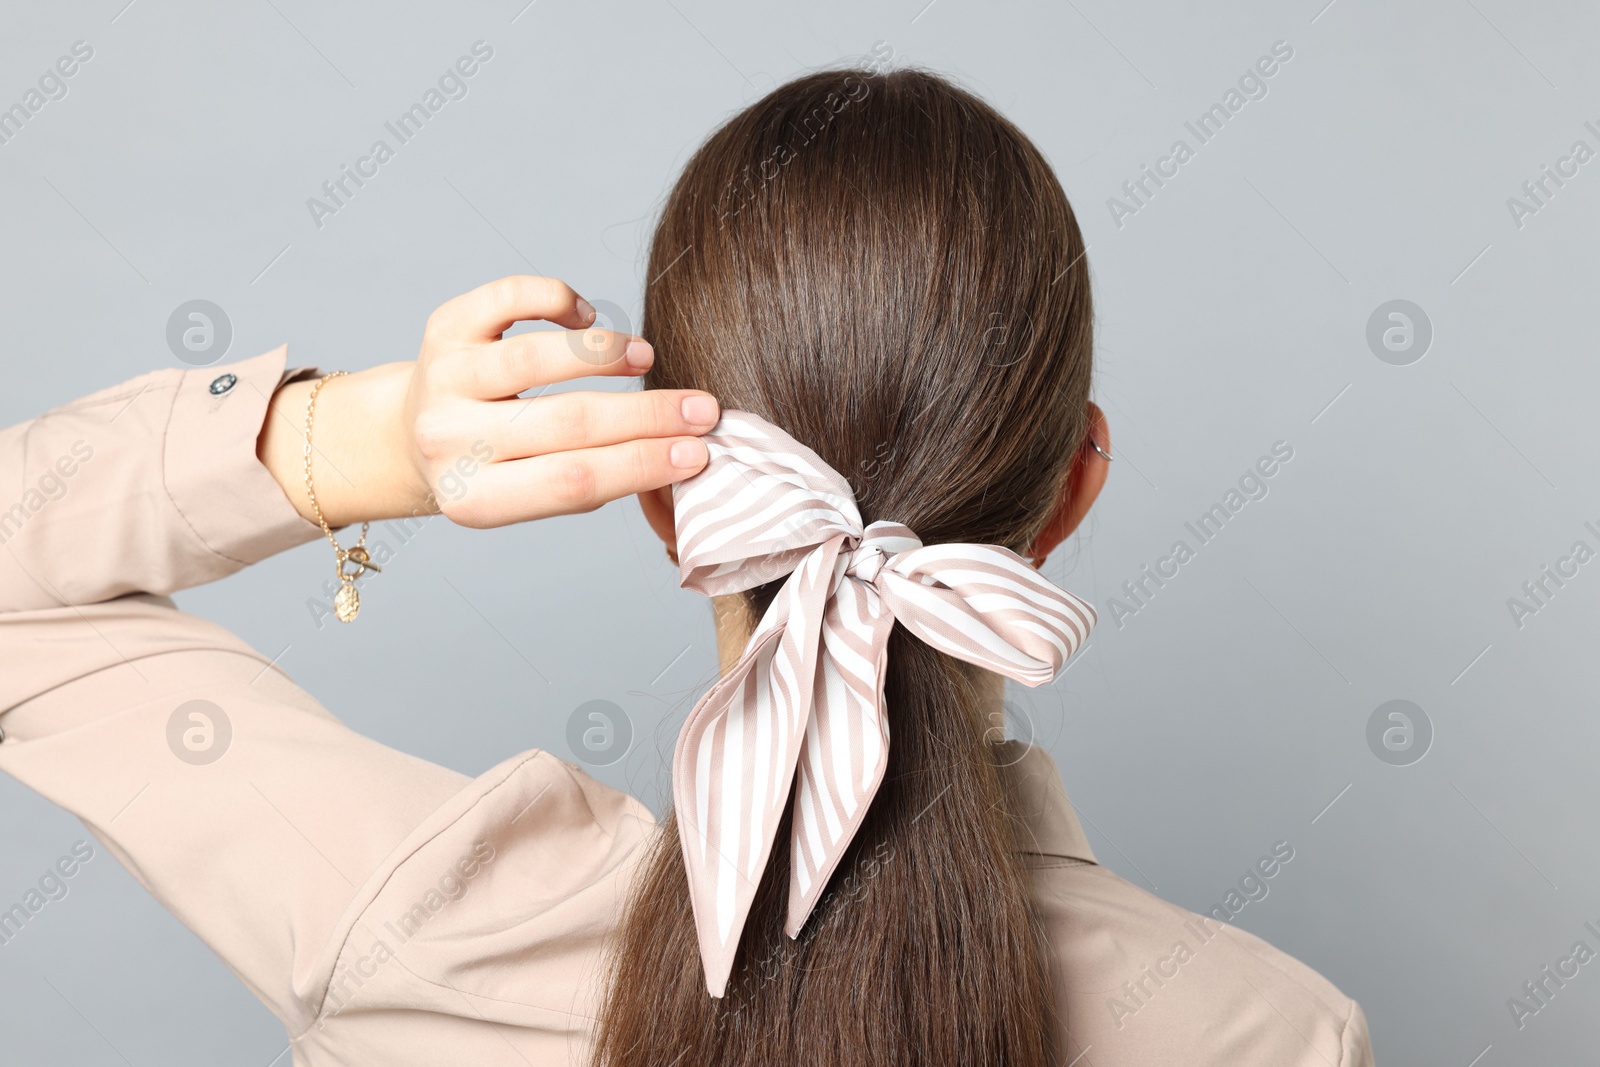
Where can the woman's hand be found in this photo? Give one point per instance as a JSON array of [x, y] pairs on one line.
[[449, 432], [492, 458]]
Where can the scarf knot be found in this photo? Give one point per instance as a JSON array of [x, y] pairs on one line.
[[878, 545]]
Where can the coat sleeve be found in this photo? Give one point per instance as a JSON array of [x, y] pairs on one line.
[[241, 804]]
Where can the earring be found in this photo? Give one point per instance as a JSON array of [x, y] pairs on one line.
[[1096, 446]]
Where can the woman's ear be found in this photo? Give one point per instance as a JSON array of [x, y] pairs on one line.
[[1084, 480], [657, 507]]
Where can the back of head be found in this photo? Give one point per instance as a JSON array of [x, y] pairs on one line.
[[887, 269]]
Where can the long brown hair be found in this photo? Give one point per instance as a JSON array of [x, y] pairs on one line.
[[888, 269]]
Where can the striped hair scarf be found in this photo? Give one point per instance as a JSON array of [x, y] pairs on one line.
[[806, 697]]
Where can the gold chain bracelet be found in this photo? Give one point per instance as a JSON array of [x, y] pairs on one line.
[[347, 602]]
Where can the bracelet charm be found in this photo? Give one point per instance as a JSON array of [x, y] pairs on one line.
[[349, 563]]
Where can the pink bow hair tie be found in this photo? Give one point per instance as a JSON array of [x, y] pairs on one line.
[[803, 707]]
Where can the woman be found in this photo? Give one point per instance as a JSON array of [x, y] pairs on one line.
[[881, 282]]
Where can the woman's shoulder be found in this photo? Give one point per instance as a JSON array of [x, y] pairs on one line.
[[544, 833], [1141, 979], [498, 909]]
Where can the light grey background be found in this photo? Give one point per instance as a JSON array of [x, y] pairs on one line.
[[1228, 714]]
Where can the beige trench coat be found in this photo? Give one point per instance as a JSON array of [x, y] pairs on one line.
[[392, 912]]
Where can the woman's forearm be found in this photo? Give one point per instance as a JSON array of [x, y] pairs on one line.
[[150, 486], [362, 459]]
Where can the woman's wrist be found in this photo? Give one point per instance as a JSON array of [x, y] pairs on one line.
[[405, 439], [363, 463]]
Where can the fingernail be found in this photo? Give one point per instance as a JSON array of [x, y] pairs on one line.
[[699, 410], [687, 454], [585, 310], [639, 355]]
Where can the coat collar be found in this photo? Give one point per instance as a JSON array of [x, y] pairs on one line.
[[1049, 826]]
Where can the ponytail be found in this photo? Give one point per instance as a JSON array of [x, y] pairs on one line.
[[924, 950]]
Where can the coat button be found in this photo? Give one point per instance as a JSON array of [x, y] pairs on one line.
[[222, 383]]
